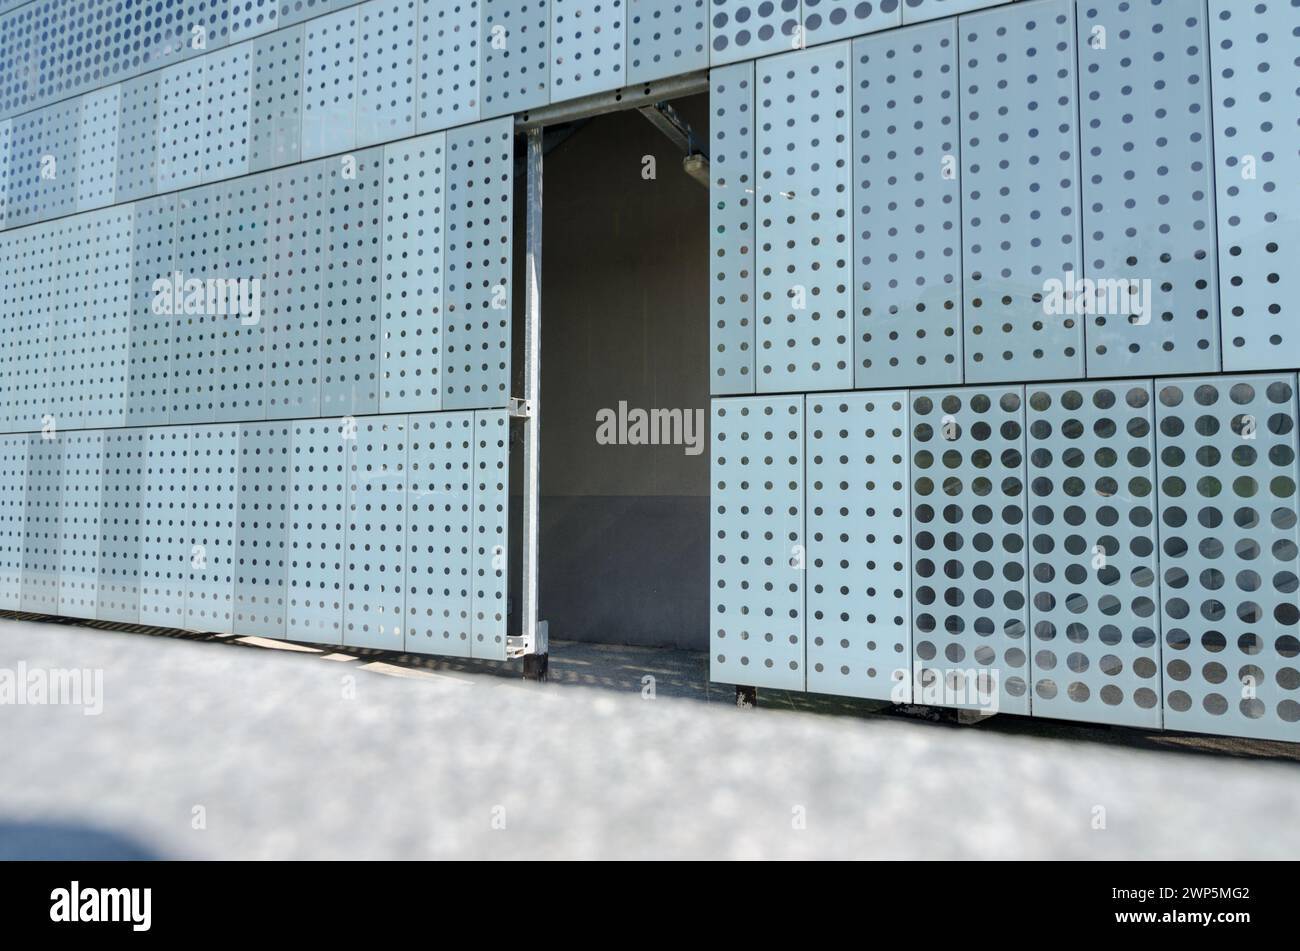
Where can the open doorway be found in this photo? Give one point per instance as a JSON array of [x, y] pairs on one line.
[[624, 537]]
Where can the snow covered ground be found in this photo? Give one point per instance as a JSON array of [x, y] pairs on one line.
[[213, 749]]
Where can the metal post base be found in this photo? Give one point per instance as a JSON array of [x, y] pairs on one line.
[[537, 667], [746, 697]]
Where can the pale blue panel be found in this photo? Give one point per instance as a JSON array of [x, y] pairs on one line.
[[317, 529], [666, 38], [137, 138], [13, 503], [153, 257], [182, 124], [164, 526], [515, 55], [826, 20], [746, 29], [212, 502], [374, 607], [80, 524], [97, 148], [276, 110], [262, 530], [450, 33], [41, 531], [915, 11], [491, 533], [120, 526], [588, 47], [329, 90], [386, 54], [227, 131]]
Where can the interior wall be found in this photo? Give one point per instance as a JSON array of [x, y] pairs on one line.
[[624, 528]]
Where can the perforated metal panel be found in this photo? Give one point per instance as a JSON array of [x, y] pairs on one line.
[[165, 551], [153, 252], [41, 530], [480, 229], [318, 518], [666, 38], [516, 55], [969, 612], [262, 528], [412, 286], [1228, 540], [252, 17], [137, 138], [450, 31], [1095, 651], [103, 352], [292, 293], [242, 228], [81, 498], [183, 121], [227, 98], [120, 525], [440, 534], [731, 229], [6, 128], [1020, 184], [745, 29], [97, 148], [1148, 194], [805, 274], [68, 279], [757, 552], [1254, 48], [350, 294], [60, 134], [13, 504], [374, 607], [294, 11], [212, 504], [858, 591], [826, 20], [329, 90], [907, 207], [276, 100], [491, 528], [386, 54], [915, 11], [588, 47], [27, 350], [197, 334]]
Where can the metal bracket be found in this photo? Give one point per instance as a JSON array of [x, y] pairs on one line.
[[666, 119], [521, 408]]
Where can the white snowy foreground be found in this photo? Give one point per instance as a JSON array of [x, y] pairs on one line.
[[214, 750]]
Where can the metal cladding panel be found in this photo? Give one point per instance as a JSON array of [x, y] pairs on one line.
[[41, 530], [329, 85], [81, 504], [65, 394], [805, 246], [211, 505], [731, 229], [40, 298], [859, 587], [350, 295], [1148, 189], [6, 138], [137, 138], [386, 54], [22, 201], [293, 291], [1020, 161], [826, 20], [746, 29], [262, 528], [440, 534], [907, 208], [491, 533], [295, 11], [197, 334], [1254, 47], [413, 231], [450, 33], [240, 230], [227, 98], [914, 11], [515, 49], [13, 505], [120, 525], [275, 136], [1095, 630], [757, 552], [105, 346], [588, 47], [970, 611], [666, 38], [97, 148], [182, 124], [477, 258], [153, 255], [252, 17], [60, 134], [318, 498], [374, 608], [165, 526], [1228, 541]]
